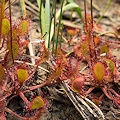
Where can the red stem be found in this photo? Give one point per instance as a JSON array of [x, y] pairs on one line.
[[11, 112], [116, 94], [4, 85], [91, 13], [31, 74], [101, 97], [2, 115], [21, 94], [92, 36], [1, 17], [105, 92], [2, 42], [89, 90], [35, 87], [5, 96], [11, 31]]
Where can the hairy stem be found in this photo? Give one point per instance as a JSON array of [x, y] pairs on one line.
[[11, 31], [106, 93], [21, 94], [89, 90], [35, 87], [91, 13], [11, 112], [116, 94]]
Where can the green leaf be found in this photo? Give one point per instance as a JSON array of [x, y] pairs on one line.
[[23, 9], [70, 1], [37, 103], [45, 17], [68, 7], [59, 25], [22, 74], [110, 64], [2, 73], [77, 9], [5, 26], [99, 71], [43, 20], [104, 49], [23, 27], [38, 3]]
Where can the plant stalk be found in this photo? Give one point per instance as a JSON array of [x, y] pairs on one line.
[[9, 2]]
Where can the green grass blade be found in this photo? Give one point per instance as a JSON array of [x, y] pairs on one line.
[[23, 8], [39, 3], [48, 25], [49, 34], [40, 7], [70, 1], [47, 20], [68, 7], [77, 9], [54, 25], [43, 20], [59, 25], [104, 11], [57, 15], [42, 16]]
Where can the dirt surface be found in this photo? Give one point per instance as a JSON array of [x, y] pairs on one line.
[[59, 105]]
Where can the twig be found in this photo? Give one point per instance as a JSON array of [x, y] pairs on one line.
[[74, 101], [32, 6], [32, 10], [78, 101], [32, 65], [101, 116]]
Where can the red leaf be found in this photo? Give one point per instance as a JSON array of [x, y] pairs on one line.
[[55, 75], [44, 54], [77, 84], [96, 40], [74, 66]]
